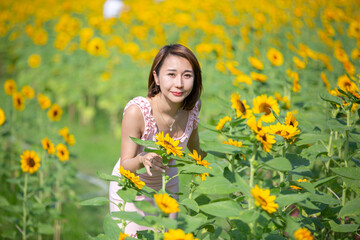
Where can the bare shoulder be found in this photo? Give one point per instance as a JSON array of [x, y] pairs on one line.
[[133, 118]]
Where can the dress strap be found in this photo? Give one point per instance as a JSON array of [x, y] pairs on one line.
[[192, 123], [145, 108]]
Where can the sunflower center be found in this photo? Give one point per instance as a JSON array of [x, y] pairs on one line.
[[47, 145], [165, 205], [96, 47], [264, 137], [292, 123], [31, 162], [18, 101], [241, 107], [264, 107], [275, 57], [62, 152], [262, 201], [55, 113]]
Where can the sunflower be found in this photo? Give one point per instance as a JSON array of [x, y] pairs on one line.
[[355, 54], [170, 145], [166, 203], [256, 63], [303, 234], [96, 47], [285, 131], [55, 112], [62, 152], [298, 63], [131, 176], [258, 77], [295, 77], [296, 187], [325, 80], [10, 87], [349, 68], [284, 99], [48, 145], [122, 236], [18, 101], [241, 108], [178, 234], [30, 161], [242, 78], [256, 126], [2, 117], [203, 176], [345, 84], [275, 57], [354, 29], [28, 92], [263, 104], [34, 60], [69, 138], [266, 140], [233, 143], [264, 199], [222, 122], [44, 101], [290, 119], [40, 36], [198, 160]]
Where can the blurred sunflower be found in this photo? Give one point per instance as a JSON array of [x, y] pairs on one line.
[[96, 47], [256, 63], [354, 29], [30, 161], [10, 87], [303, 234], [233, 142], [355, 54], [44, 101], [241, 108], [264, 199], [242, 78], [349, 68], [254, 125], [275, 57], [28, 92], [178, 234], [48, 145], [222, 122], [2, 117], [258, 77], [325, 81], [341, 55], [298, 63], [62, 152], [285, 131], [131, 176], [263, 104], [345, 84], [18, 101], [170, 145], [69, 138], [203, 176], [34, 60], [55, 112], [198, 160], [266, 140], [39, 36], [122, 236], [166, 203]]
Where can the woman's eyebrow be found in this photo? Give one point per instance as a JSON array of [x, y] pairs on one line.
[[174, 70]]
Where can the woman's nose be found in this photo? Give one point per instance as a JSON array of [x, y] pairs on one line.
[[179, 81]]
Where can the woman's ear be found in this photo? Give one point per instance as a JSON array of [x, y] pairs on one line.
[[156, 78]]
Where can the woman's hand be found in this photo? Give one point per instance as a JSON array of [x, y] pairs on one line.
[[152, 160]]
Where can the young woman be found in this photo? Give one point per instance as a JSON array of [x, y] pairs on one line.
[[172, 106]]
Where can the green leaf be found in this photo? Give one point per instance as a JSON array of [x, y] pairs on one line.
[[191, 223], [337, 125], [348, 172], [145, 206], [222, 209], [3, 202], [288, 199], [107, 177], [216, 185], [309, 138], [249, 216], [168, 223], [193, 168], [129, 216], [46, 229], [306, 186], [321, 182], [343, 227], [146, 143], [280, 163], [351, 208], [111, 229], [98, 201], [127, 195], [324, 198], [355, 137], [190, 203], [330, 98], [100, 237], [221, 148], [242, 185]]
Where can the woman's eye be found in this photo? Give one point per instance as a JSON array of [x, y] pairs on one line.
[[188, 75], [171, 74]]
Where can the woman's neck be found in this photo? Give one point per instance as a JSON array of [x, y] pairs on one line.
[[165, 106]]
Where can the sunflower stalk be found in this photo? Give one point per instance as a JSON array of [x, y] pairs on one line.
[[252, 173], [123, 222], [24, 207]]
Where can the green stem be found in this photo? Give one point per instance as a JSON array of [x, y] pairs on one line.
[[252, 173], [156, 233], [24, 207], [163, 176], [123, 222]]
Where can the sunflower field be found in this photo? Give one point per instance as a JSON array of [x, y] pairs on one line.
[[280, 118]]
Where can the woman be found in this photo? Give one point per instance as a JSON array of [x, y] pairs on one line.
[[172, 106]]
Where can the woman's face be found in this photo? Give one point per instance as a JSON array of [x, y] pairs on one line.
[[176, 78]]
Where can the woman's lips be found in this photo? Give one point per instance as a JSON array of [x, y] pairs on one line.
[[177, 93]]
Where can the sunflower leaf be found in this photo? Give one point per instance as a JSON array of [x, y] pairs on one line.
[[98, 201], [330, 98], [146, 143]]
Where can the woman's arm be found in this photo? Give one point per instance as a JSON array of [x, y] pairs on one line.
[[133, 126]]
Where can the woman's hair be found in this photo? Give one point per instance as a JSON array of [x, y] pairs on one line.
[[184, 52]]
